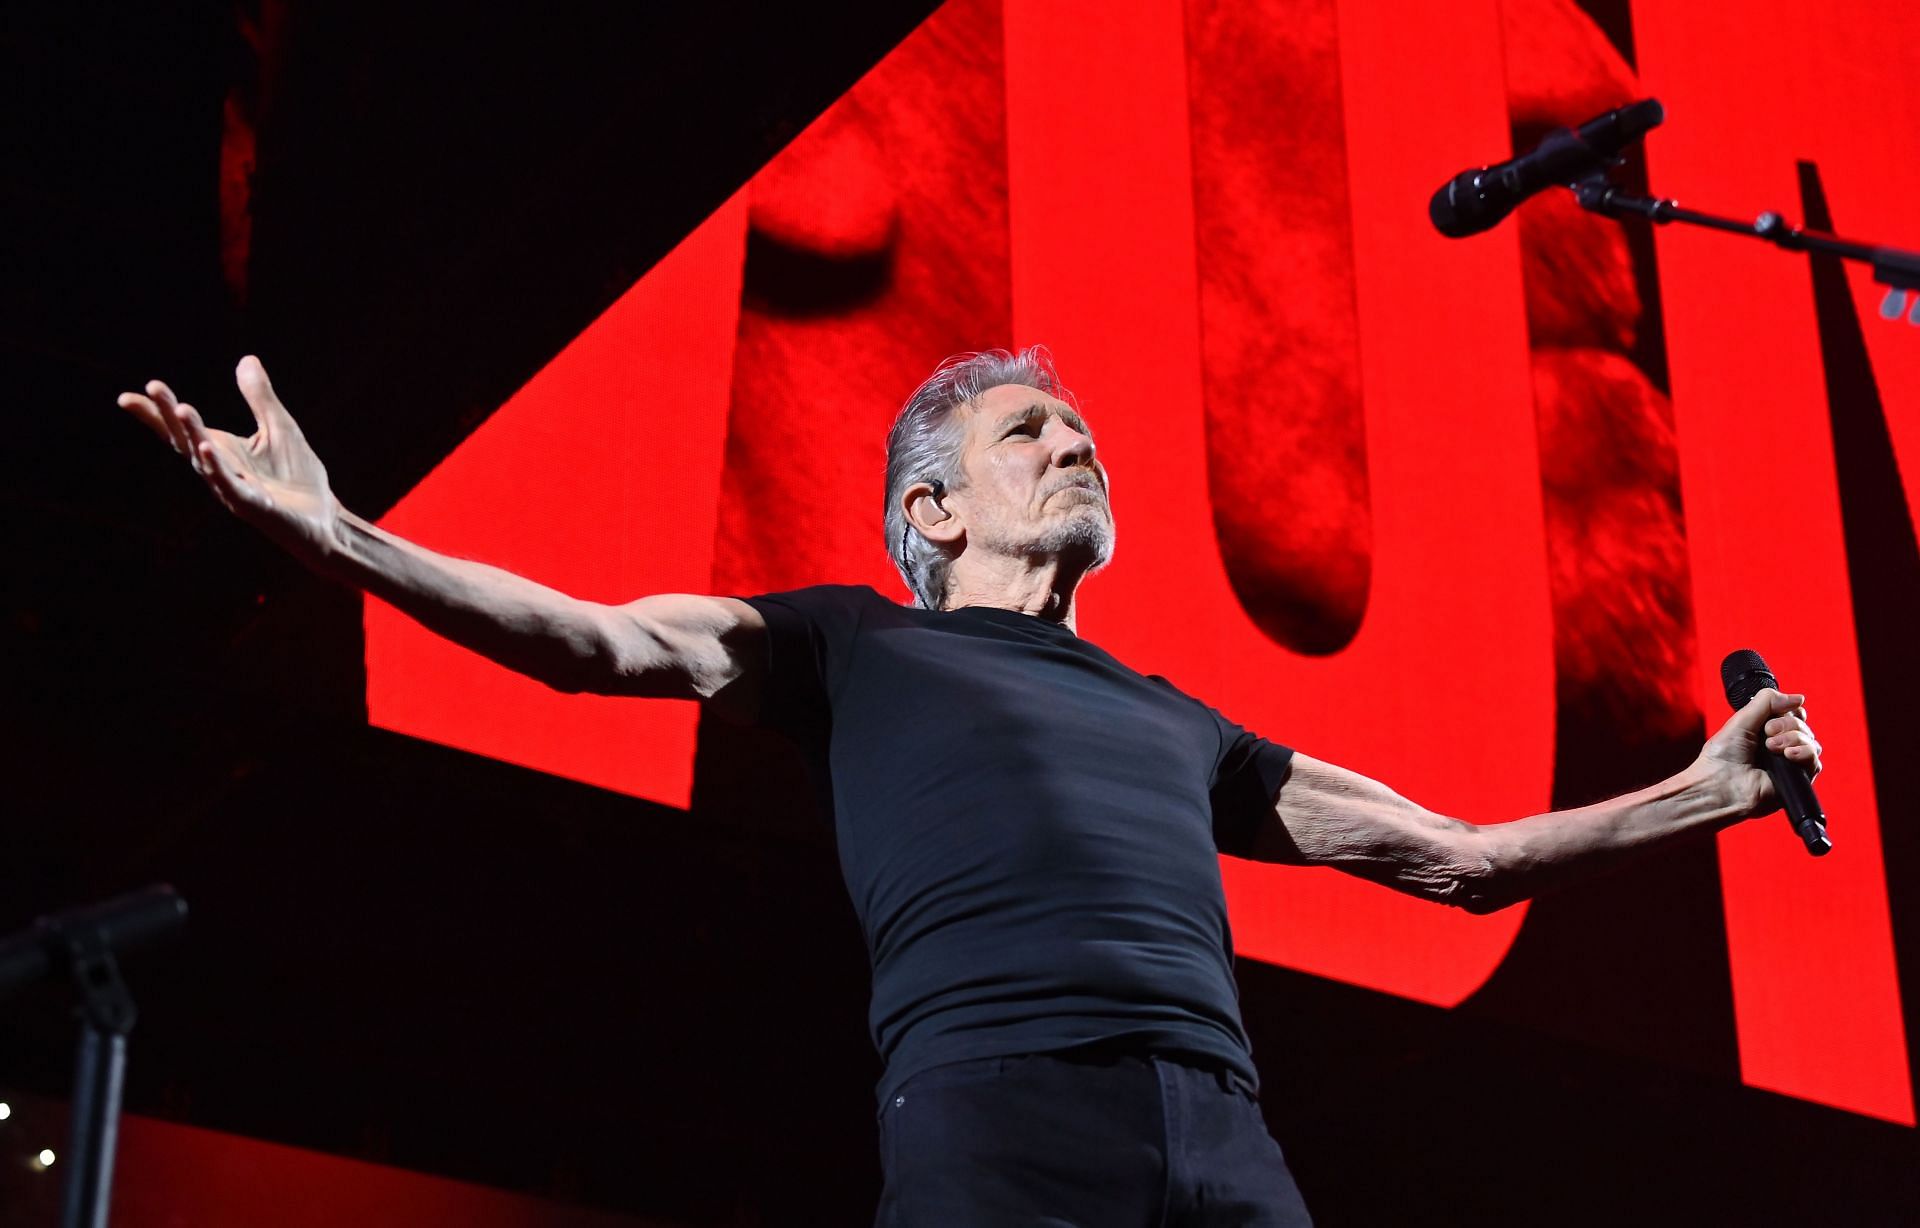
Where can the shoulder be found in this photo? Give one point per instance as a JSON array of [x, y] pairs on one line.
[[830, 610], [824, 598], [1163, 683], [823, 621], [1239, 746], [812, 635]]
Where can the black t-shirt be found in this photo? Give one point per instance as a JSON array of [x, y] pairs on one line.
[[1028, 828]]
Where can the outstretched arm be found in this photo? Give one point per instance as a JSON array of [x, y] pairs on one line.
[[1327, 815], [674, 646]]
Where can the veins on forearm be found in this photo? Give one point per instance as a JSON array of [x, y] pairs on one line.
[[1330, 816], [1535, 854]]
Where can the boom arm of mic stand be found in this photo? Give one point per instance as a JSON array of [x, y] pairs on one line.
[[1891, 266], [1895, 268]]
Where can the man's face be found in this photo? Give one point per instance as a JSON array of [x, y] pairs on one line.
[[1030, 484]]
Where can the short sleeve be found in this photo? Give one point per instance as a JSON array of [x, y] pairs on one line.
[[1249, 773], [810, 632]]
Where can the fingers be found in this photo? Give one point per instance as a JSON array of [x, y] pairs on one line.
[[159, 409], [1777, 701], [212, 461], [181, 426], [1768, 703], [1795, 744], [251, 376], [1780, 721], [198, 438], [167, 406], [1758, 711], [1807, 755], [143, 408], [235, 489], [1793, 738]]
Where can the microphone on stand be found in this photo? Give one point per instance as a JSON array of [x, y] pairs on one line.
[[1477, 200], [1745, 674]]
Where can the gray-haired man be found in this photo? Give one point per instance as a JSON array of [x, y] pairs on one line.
[[1027, 827]]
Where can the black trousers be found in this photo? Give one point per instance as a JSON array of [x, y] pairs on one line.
[[1087, 1139]]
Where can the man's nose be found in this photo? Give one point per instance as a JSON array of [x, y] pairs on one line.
[[1072, 449]]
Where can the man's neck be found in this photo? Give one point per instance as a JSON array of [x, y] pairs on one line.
[[1044, 589]]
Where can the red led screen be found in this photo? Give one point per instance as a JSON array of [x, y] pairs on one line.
[[1416, 505]]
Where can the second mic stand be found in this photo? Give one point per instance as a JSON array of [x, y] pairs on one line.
[[81, 945], [99, 1074], [1898, 270]]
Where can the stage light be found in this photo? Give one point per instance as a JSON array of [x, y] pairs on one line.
[[6, 1110], [44, 1160], [1895, 303]]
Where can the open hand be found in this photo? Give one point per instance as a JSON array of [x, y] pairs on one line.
[[1770, 723], [271, 479]]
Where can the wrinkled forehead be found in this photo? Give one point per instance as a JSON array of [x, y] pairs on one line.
[[1008, 405]]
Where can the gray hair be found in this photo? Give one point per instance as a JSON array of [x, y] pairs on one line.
[[925, 445]]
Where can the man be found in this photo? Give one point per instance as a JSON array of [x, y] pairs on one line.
[[1027, 827]]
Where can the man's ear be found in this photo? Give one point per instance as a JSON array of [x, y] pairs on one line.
[[927, 513]]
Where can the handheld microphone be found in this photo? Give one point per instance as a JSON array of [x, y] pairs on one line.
[[1745, 674], [1477, 200]]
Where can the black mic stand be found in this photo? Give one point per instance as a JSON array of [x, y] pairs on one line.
[[1898, 270], [81, 944], [107, 1014]]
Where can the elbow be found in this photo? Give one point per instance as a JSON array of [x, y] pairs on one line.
[[567, 684], [616, 652], [579, 660], [569, 675], [1476, 883], [1469, 883], [1482, 902]]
